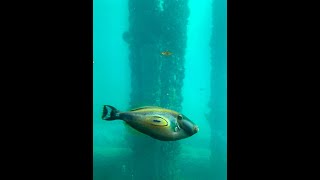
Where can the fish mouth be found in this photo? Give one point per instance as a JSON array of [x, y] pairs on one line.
[[196, 129]]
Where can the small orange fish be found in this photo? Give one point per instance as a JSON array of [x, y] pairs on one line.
[[166, 53]]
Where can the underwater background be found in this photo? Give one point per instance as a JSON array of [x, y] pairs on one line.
[[130, 71]]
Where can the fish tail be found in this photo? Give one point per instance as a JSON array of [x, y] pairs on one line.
[[110, 113]]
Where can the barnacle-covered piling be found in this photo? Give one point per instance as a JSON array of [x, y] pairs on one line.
[[155, 26]]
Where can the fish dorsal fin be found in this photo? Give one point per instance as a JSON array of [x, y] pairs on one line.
[[158, 121], [146, 107]]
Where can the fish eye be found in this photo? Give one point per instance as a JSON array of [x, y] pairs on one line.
[[180, 117]]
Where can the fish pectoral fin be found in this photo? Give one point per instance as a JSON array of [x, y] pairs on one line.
[[177, 128], [158, 121]]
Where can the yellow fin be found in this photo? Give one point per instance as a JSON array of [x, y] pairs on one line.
[[146, 107]]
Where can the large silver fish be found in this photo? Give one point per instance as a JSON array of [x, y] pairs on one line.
[[159, 123]]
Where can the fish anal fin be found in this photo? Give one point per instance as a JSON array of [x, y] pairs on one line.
[[131, 130]]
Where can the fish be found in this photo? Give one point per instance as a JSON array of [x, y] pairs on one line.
[[166, 53], [156, 122]]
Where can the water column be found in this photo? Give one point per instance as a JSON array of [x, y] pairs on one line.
[[218, 101], [155, 26]]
